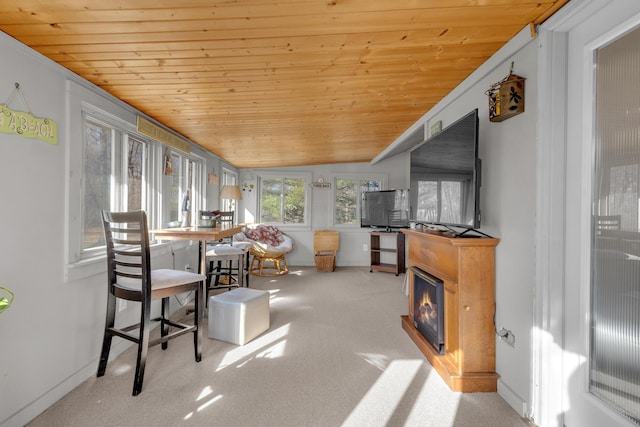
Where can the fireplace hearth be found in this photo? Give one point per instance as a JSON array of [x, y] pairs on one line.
[[428, 307]]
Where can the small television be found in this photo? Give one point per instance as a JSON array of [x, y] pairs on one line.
[[385, 209], [445, 177]]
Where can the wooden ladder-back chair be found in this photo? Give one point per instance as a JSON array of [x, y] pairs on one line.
[[130, 278]]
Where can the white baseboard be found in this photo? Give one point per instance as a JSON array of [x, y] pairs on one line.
[[513, 399]]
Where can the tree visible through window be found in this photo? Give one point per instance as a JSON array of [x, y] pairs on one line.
[[282, 200], [347, 198], [96, 189], [135, 171], [109, 181]]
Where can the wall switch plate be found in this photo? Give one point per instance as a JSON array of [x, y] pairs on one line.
[[365, 247], [122, 304]]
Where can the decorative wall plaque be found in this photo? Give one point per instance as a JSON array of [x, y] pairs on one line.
[[506, 98], [26, 124]]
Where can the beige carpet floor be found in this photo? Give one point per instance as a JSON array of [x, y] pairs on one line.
[[335, 355]]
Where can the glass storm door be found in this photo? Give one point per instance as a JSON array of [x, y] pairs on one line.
[[602, 300]]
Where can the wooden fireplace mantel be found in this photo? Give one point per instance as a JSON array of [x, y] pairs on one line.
[[467, 268]]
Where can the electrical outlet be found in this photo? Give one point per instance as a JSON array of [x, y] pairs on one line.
[[507, 336], [122, 304], [365, 247]]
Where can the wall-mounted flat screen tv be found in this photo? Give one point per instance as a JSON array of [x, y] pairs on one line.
[[445, 177], [385, 209]]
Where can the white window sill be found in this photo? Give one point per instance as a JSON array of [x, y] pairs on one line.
[[97, 265]]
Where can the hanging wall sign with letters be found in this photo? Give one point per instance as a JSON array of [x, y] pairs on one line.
[[27, 126]]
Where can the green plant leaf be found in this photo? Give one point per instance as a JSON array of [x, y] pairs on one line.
[[5, 302]]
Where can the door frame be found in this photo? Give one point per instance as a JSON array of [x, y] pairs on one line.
[[550, 372]]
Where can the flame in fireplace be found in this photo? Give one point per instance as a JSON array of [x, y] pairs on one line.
[[428, 311]]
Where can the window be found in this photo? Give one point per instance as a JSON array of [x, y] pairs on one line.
[[112, 166], [136, 150], [283, 199], [228, 178], [113, 175], [614, 329], [182, 187], [348, 194], [118, 175]]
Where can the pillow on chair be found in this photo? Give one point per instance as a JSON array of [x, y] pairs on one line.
[[266, 234]]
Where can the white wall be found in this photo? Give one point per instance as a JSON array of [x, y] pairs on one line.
[[508, 150], [351, 251], [50, 338], [508, 153]]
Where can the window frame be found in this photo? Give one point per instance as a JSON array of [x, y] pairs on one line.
[[82, 102], [121, 137], [306, 177], [382, 178], [229, 177], [196, 188]]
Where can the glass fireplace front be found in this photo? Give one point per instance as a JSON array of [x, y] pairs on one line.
[[428, 307]]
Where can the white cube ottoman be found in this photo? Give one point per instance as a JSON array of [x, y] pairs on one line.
[[238, 316]]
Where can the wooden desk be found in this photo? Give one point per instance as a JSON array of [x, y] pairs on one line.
[[202, 234]]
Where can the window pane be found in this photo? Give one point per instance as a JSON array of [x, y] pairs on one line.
[[348, 195], [96, 188], [175, 204], [615, 248], [293, 201], [370, 186], [346, 204], [229, 178], [271, 200], [134, 174]]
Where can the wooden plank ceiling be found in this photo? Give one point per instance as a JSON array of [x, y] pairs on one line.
[[265, 83]]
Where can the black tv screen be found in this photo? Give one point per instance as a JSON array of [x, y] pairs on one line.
[[385, 209], [445, 176]]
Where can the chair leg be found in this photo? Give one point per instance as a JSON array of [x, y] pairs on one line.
[[208, 282], [246, 266], [197, 320], [164, 328], [229, 273], [218, 270], [106, 340], [143, 347]]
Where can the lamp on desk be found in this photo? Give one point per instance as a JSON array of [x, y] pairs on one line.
[[231, 192]]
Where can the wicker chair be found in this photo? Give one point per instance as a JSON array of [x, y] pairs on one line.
[[268, 259]]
